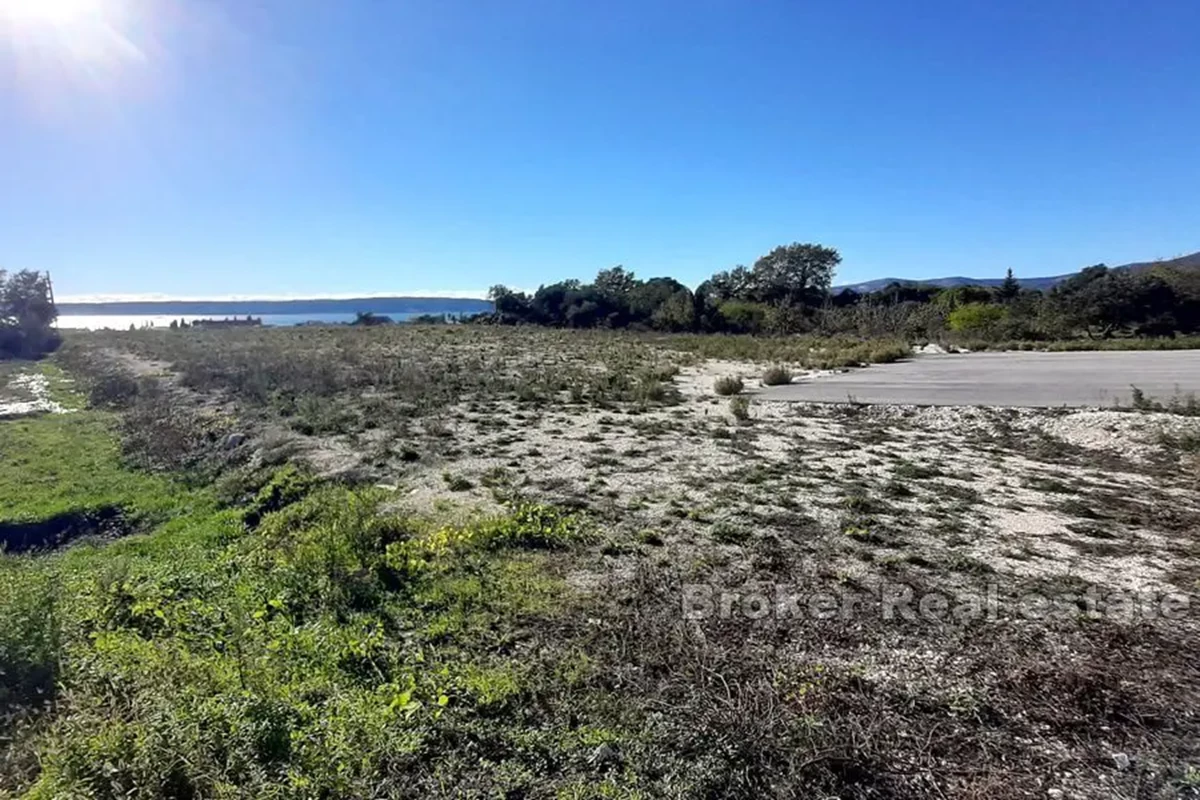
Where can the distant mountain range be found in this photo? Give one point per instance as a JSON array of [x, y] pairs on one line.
[[240, 308], [1183, 262]]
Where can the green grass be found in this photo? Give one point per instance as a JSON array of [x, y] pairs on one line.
[[62, 388], [312, 655], [310, 644], [54, 464]]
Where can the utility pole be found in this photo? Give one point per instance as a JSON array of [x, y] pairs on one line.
[[50, 292]]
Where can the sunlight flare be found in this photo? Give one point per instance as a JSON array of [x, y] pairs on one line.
[[57, 43], [51, 12]]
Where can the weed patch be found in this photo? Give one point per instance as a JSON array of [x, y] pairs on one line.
[[728, 385], [777, 376]]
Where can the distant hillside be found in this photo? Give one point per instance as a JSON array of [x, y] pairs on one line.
[[231, 308], [1188, 262], [946, 283], [1191, 261]]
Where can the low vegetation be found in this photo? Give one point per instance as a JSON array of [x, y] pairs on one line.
[[452, 561], [777, 376], [739, 408], [728, 385], [1182, 404]]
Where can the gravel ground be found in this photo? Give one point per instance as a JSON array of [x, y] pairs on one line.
[[27, 393]]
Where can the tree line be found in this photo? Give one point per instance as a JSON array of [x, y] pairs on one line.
[[781, 290], [789, 290]]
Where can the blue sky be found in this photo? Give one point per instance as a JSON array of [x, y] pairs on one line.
[[313, 147]]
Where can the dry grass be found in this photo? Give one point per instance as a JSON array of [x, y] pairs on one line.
[[626, 431]]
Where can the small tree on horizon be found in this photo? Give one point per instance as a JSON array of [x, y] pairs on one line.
[[1009, 289]]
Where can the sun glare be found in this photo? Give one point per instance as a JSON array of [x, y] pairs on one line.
[[57, 42], [49, 12]]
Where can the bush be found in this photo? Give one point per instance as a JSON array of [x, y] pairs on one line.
[[728, 533], [113, 390], [777, 376], [29, 640], [976, 317], [888, 353], [728, 385], [286, 487], [457, 483], [739, 407], [654, 387], [741, 316], [1185, 405]]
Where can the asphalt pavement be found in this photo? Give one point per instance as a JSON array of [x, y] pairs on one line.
[[1081, 379]]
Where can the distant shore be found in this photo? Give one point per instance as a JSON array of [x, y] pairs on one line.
[[313, 309]]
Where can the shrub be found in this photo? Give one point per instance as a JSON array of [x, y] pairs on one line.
[[287, 486], [113, 390], [651, 537], [457, 483], [728, 385], [976, 317], [777, 376], [742, 316], [1185, 405], [728, 533], [530, 526], [651, 390], [29, 640], [527, 526], [739, 407], [888, 353]]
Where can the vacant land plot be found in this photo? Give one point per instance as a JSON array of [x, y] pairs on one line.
[[1047, 380], [464, 562]]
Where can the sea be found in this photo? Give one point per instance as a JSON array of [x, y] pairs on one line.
[[122, 322], [277, 313]]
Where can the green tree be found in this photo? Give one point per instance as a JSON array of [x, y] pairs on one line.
[[1008, 290], [615, 282], [368, 319], [734, 284], [677, 313], [511, 307], [795, 274], [27, 315], [953, 297], [647, 297], [1102, 301]]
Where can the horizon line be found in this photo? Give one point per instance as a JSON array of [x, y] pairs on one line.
[[96, 299]]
